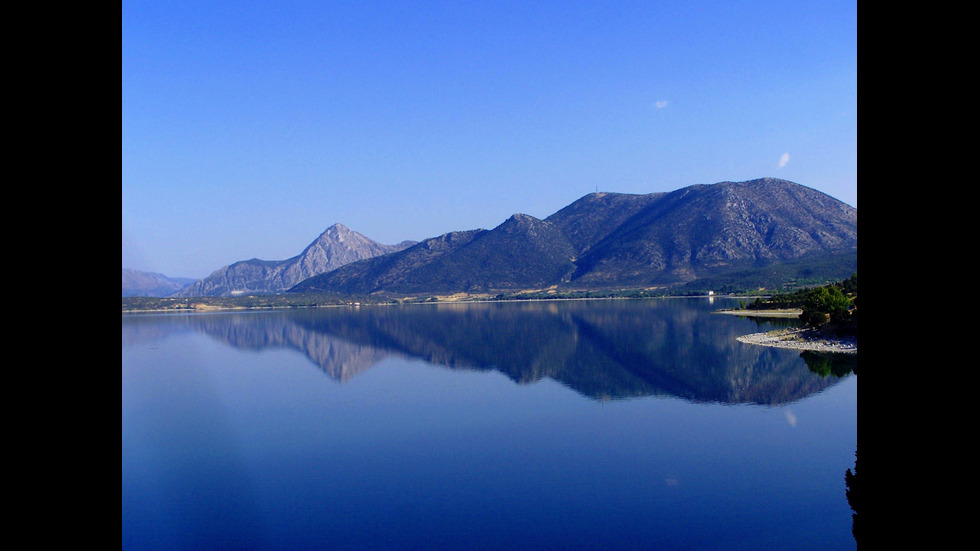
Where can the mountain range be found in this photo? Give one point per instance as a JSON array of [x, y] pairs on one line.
[[337, 246], [616, 239], [136, 283], [700, 233]]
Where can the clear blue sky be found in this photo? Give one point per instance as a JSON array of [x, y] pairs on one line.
[[249, 127]]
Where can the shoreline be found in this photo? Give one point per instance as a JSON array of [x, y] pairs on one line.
[[802, 339], [200, 307], [775, 313]]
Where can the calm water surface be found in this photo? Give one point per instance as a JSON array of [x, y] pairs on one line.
[[625, 424]]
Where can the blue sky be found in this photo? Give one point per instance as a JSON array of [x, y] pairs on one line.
[[249, 127]]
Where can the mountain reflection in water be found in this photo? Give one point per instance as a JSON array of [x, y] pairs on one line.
[[609, 349]]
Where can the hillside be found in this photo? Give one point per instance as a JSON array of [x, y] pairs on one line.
[[749, 230], [410, 267], [590, 219], [337, 246], [707, 230]]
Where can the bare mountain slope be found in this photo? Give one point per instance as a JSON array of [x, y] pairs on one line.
[[704, 230], [616, 239], [335, 247], [521, 251]]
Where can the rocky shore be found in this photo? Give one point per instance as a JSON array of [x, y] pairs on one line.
[[782, 313], [802, 339]]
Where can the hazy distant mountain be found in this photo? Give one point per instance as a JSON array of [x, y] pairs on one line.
[[136, 283], [613, 239], [335, 247]]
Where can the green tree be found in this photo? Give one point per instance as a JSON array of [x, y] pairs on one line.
[[823, 303]]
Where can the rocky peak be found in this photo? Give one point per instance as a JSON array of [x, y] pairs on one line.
[[337, 246]]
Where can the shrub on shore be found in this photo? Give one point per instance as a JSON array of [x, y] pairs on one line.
[[831, 307]]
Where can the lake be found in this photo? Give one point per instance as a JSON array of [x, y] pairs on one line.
[[603, 424]]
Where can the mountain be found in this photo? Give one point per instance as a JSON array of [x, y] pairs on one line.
[[337, 246], [701, 232], [590, 219], [136, 283], [410, 268], [705, 230], [522, 251]]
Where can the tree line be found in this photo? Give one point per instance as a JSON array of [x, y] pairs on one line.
[[832, 306]]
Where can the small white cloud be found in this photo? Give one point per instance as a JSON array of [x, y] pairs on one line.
[[791, 418], [661, 104], [783, 160]]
